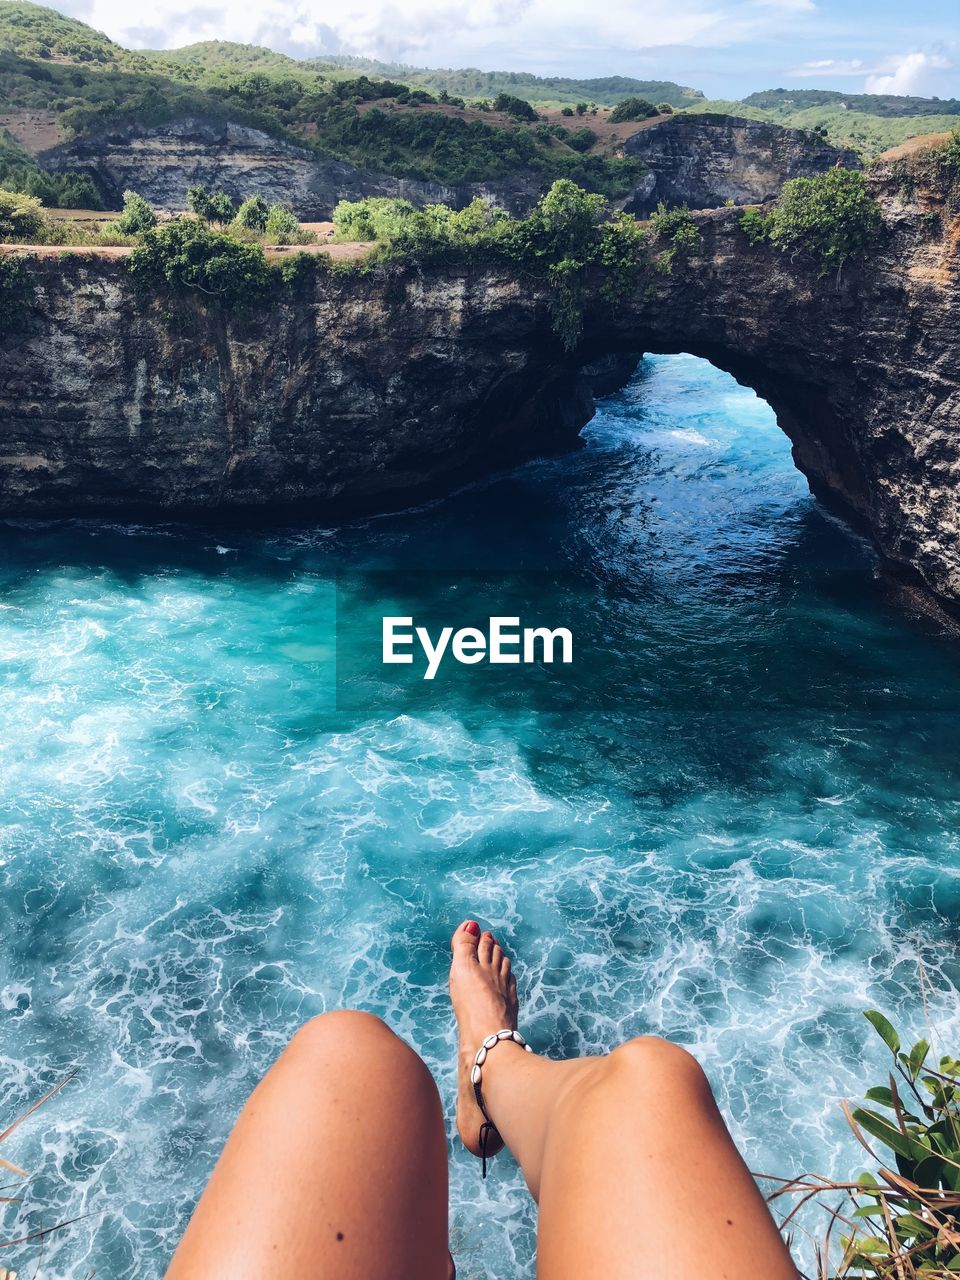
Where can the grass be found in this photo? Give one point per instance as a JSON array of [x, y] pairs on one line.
[[5, 1135], [900, 1219], [91, 229]]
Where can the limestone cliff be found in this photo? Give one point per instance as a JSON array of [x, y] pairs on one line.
[[162, 161], [377, 389], [705, 161], [699, 160]]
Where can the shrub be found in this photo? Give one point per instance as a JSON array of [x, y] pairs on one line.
[[16, 289], [832, 217], [565, 221], [217, 207], [77, 191], [632, 109], [756, 226], [252, 214], [186, 256], [300, 270], [110, 234], [137, 215], [582, 108], [581, 139], [519, 108], [949, 154], [221, 209], [281, 226], [903, 1222], [61, 231], [567, 236], [198, 202], [677, 228], [373, 218], [64, 191], [566, 111], [21, 217]]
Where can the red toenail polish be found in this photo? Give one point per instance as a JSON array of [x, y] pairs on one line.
[[472, 927]]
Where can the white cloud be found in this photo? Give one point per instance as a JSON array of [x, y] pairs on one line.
[[909, 73], [537, 34], [902, 73], [727, 46], [831, 67]]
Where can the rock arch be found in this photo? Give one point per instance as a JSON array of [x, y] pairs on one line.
[[376, 391]]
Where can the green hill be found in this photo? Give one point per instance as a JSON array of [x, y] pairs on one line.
[[223, 56], [35, 32], [80, 83], [886, 105], [412, 122], [469, 82]]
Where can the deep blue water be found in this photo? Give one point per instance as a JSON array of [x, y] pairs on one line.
[[733, 822]]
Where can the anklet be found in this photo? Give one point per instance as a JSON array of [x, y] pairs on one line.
[[476, 1079]]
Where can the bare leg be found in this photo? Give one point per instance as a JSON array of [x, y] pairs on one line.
[[627, 1155], [336, 1168]]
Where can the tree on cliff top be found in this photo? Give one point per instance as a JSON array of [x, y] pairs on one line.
[[570, 232], [21, 217], [832, 217], [217, 208], [252, 214], [282, 225], [137, 215], [632, 109], [186, 256], [518, 108]]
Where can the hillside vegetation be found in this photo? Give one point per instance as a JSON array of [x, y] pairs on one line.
[[868, 123], [788, 101], [37, 32], [450, 126], [541, 91], [87, 83], [208, 57]]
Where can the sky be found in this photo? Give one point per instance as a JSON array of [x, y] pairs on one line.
[[728, 48]]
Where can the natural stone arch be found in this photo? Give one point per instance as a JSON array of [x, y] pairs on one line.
[[380, 389]]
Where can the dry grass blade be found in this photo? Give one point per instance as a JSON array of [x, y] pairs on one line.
[[35, 1106], [42, 1232], [845, 1107]]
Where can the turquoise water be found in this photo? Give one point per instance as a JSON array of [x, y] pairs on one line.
[[733, 822]]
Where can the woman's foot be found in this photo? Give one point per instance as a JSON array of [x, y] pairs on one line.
[[484, 995]]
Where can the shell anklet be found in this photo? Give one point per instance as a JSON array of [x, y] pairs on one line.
[[476, 1079]]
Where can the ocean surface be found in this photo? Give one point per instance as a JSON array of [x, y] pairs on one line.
[[733, 821]]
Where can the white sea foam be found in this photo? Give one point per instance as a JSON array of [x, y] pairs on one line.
[[199, 852]]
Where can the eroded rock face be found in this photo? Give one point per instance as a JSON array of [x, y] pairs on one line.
[[375, 390], [706, 160], [162, 162], [699, 160]]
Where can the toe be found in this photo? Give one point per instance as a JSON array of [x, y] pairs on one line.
[[496, 957], [485, 947], [465, 938], [505, 968]]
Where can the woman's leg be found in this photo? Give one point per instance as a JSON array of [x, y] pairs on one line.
[[627, 1155], [335, 1170]]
